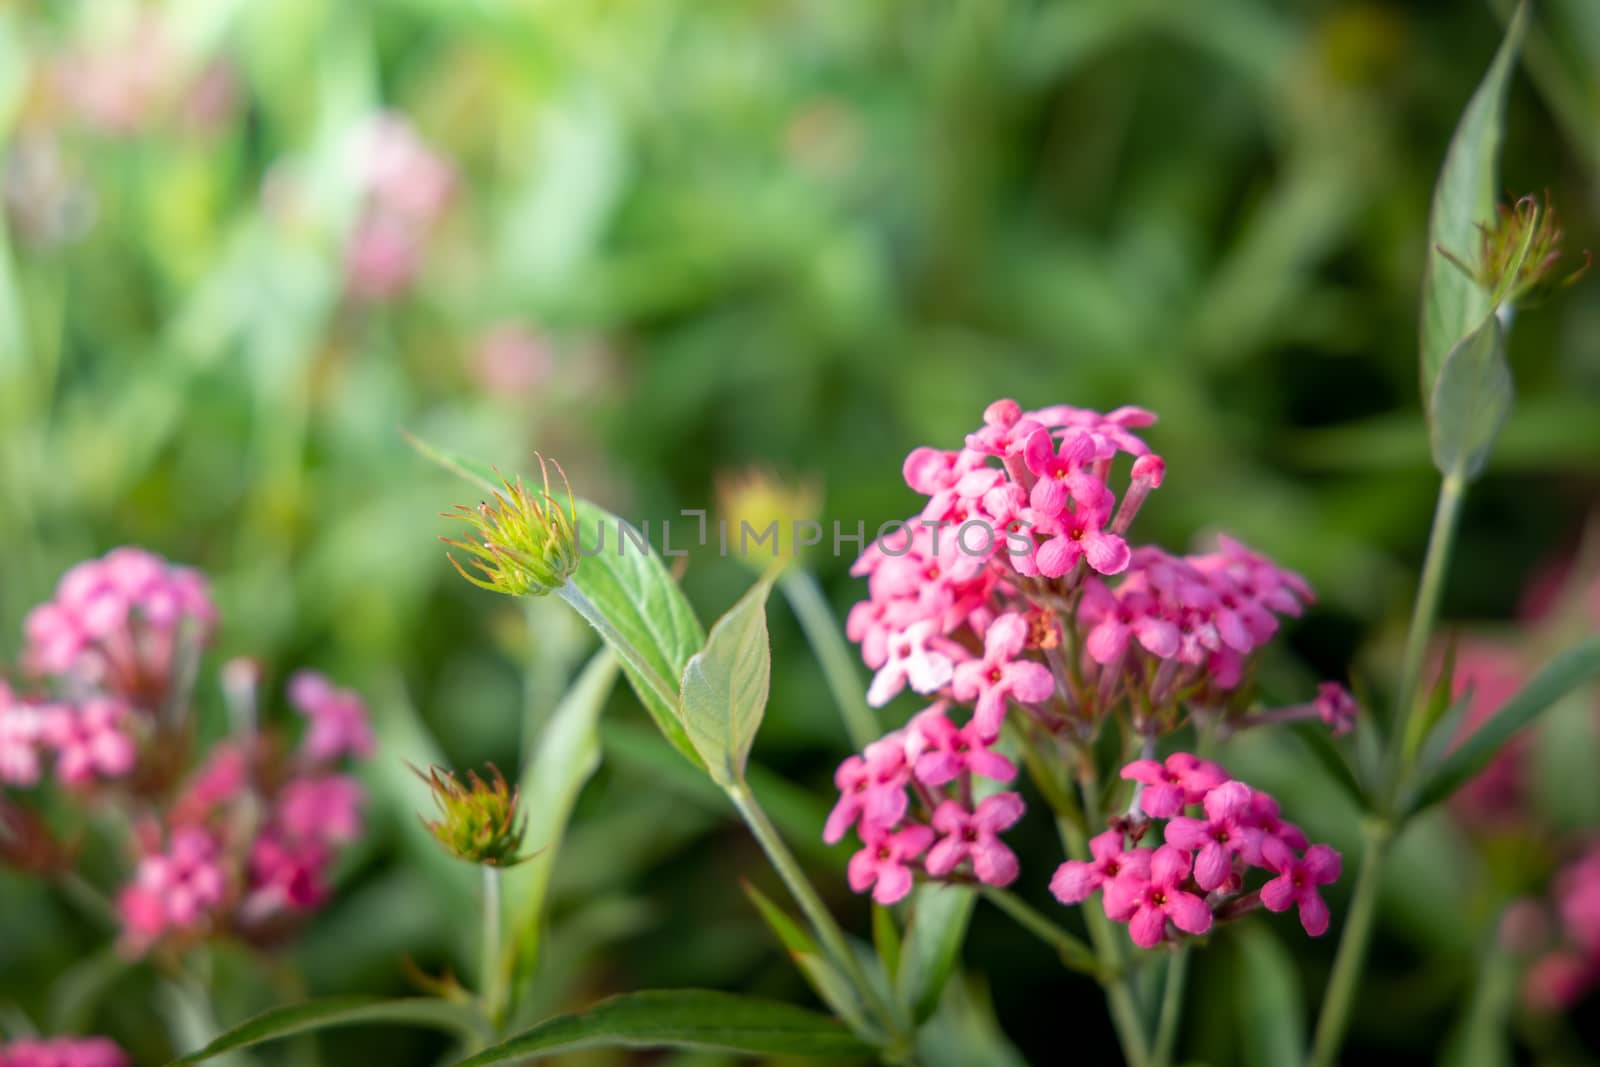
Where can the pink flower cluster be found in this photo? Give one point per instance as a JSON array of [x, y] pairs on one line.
[[243, 843], [249, 842], [62, 1052], [910, 797], [1563, 974], [406, 187], [1197, 875]]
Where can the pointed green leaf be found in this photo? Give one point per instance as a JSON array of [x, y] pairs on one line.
[[636, 607], [825, 979], [567, 754], [1328, 752], [1470, 402], [1453, 304], [932, 946], [696, 1019], [1574, 667], [886, 939], [340, 1011], [725, 687]]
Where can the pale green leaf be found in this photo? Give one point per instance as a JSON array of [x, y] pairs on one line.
[[1471, 399], [1271, 1013], [932, 945], [724, 693]]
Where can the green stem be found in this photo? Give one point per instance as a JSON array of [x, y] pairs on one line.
[[647, 675], [1073, 952], [1171, 1008], [1347, 964], [1424, 614], [833, 654], [493, 987], [805, 895]]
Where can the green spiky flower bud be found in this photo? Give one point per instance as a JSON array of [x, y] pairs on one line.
[[479, 821], [527, 543]]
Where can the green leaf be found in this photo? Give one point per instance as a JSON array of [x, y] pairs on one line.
[[932, 946], [1327, 751], [1572, 668], [627, 595], [825, 979], [1471, 399], [1271, 1019], [1453, 304], [1480, 1037], [886, 939], [695, 1019], [341, 1011], [567, 755], [724, 692]]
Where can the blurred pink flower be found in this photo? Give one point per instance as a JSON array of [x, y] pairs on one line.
[[511, 359], [339, 725], [62, 1052]]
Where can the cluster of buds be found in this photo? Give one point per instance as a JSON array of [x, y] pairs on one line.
[[1213, 830], [1520, 253], [406, 187], [527, 543], [240, 844], [62, 1052], [910, 797], [1566, 964], [478, 820]]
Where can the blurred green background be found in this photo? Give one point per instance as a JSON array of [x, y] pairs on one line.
[[809, 235]]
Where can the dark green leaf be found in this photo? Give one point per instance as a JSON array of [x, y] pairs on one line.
[[340, 1011], [886, 939], [1560, 676], [724, 692], [932, 947], [1471, 399], [682, 1019], [1453, 304], [825, 979], [1315, 737], [1271, 1009]]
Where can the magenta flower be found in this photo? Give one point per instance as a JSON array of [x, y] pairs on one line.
[[1080, 534], [1074, 880], [22, 727], [1150, 901], [1223, 834], [1263, 816], [974, 835], [1183, 779], [913, 658], [174, 892], [1121, 617], [62, 1052], [882, 865], [324, 809], [942, 751], [872, 788], [1336, 707], [1000, 674], [338, 717], [91, 741], [1297, 881]]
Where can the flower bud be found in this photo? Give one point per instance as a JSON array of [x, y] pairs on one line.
[[478, 821], [1520, 254], [760, 500], [529, 545]]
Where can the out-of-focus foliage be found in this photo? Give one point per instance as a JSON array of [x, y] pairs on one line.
[[683, 237]]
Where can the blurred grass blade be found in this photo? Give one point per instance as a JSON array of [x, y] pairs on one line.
[[629, 587], [1328, 753], [826, 980], [932, 945], [1470, 401], [1271, 1020], [1452, 303], [567, 755], [1480, 1038], [886, 939], [341, 1011], [725, 685], [1572, 668], [696, 1019]]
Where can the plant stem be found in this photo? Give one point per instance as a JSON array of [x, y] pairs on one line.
[[1073, 952], [805, 895], [1171, 1008], [1347, 964], [1408, 737], [493, 984], [833, 654]]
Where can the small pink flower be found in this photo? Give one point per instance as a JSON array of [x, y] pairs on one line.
[[1080, 534], [882, 864], [1336, 707], [974, 835], [22, 728], [914, 658], [338, 717], [326, 810], [1160, 897], [1223, 834], [1297, 882], [1122, 616], [90, 741], [872, 788], [63, 1052], [1001, 674], [1557, 981], [943, 751], [176, 891], [1263, 816], [1183, 779], [1074, 880]]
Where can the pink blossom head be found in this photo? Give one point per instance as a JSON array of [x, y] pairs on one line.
[[1183, 779], [1298, 880], [1336, 707], [511, 360], [63, 1052], [338, 719]]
